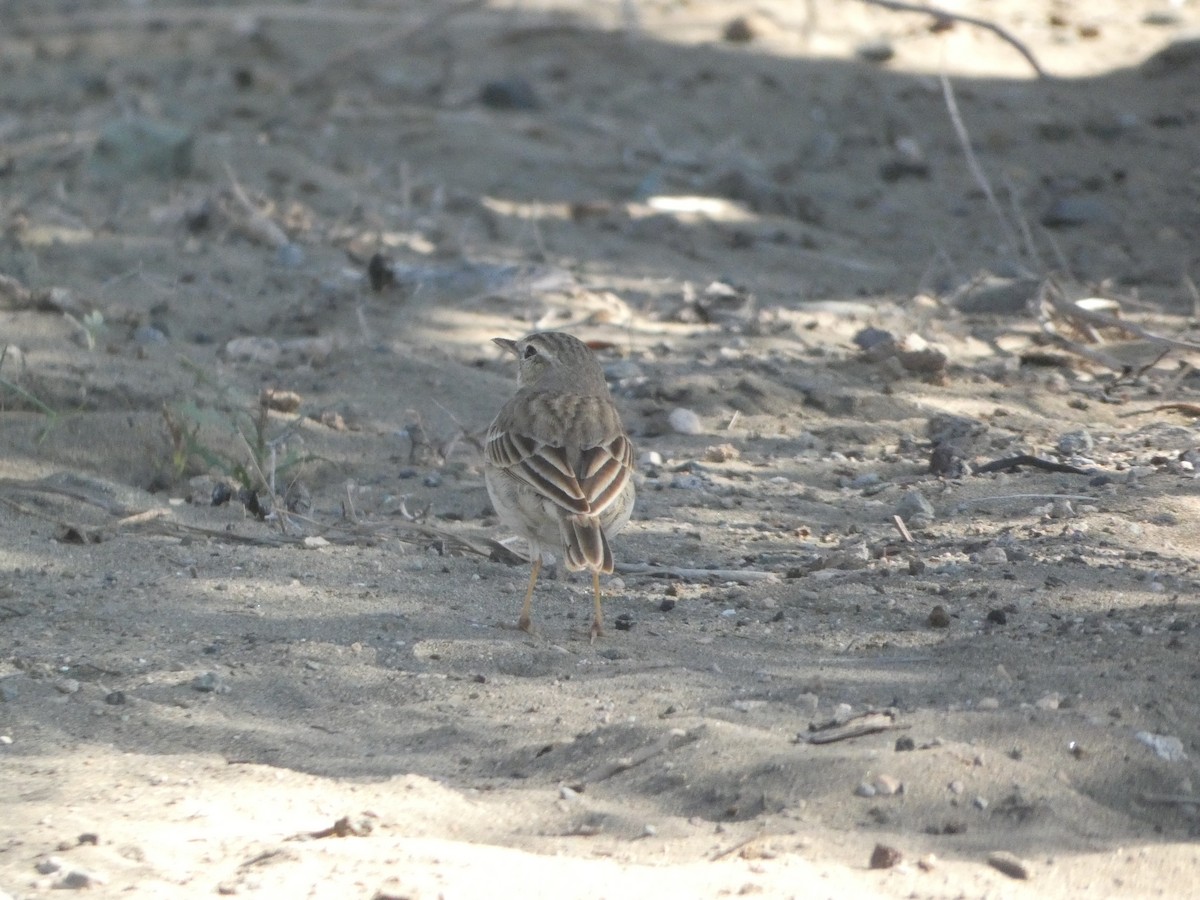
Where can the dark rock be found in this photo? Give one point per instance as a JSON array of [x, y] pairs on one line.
[[514, 94]]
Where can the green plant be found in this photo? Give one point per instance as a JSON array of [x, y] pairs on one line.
[[233, 436], [28, 398]]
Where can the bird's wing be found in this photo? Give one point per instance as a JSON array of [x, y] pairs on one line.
[[603, 471]]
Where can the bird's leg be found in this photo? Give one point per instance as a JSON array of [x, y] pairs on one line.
[[597, 617], [524, 623]]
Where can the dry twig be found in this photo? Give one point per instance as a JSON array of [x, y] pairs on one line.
[[943, 15]]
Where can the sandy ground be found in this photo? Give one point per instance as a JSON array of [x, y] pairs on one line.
[[321, 693]]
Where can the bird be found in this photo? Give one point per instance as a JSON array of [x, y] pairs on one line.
[[558, 462]]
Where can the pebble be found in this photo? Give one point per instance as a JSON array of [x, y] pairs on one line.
[[1076, 443], [747, 705], [1075, 210], [49, 865], [870, 337], [875, 51], [939, 617], [1165, 746], [1050, 701], [263, 351], [148, 334], [1010, 865], [993, 556], [887, 785], [864, 790], [509, 94], [957, 787], [67, 686], [740, 30], [688, 482], [998, 296], [1062, 509], [685, 421], [290, 255], [210, 683], [914, 509], [80, 879], [884, 857], [136, 147], [650, 458]]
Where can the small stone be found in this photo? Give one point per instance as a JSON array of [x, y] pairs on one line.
[[136, 147], [262, 351], [80, 879], [864, 790], [998, 296], [1161, 18], [1010, 865], [624, 622], [884, 857], [980, 803], [905, 744], [888, 785], [1165, 746], [957, 787], [49, 865], [912, 505], [939, 617], [148, 334], [209, 683], [993, 556], [510, 94], [67, 686], [684, 421], [667, 605], [290, 255], [1076, 210], [869, 338], [1076, 443], [115, 698], [1050, 701], [650, 458], [1062, 509], [740, 30], [721, 453], [997, 617], [875, 51]]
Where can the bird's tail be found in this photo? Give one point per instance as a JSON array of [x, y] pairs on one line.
[[586, 544]]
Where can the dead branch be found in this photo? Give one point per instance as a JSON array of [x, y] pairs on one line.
[[743, 576], [1087, 320], [943, 15], [868, 723], [964, 139], [380, 42]]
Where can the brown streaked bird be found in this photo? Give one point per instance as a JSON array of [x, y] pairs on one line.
[[559, 463]]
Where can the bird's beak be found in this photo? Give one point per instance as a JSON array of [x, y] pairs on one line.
[[506, 344]]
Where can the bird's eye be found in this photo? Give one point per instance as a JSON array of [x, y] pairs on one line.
[[531, 352]]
